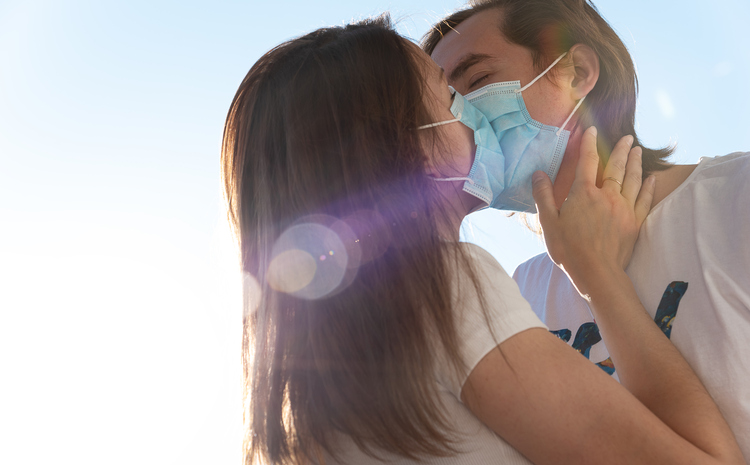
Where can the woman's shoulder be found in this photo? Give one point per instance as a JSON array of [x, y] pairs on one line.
[[481, 284], [480, 281], [488, 306], [480, 258]]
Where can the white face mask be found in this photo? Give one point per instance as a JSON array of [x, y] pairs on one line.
[[511, 145]]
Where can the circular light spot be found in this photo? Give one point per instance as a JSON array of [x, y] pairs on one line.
[[312, 261], [291, 270]]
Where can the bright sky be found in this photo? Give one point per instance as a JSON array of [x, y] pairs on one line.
[[119, 328]]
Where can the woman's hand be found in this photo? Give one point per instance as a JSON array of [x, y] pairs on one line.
[[592, 237], [594, 231]]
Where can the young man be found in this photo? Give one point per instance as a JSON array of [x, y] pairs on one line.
[[691, 264]]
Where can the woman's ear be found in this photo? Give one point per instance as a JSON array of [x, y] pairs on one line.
[[585, 70]]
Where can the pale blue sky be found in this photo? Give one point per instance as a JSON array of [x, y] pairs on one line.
[[118, 337]]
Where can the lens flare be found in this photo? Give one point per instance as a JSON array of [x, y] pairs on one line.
[[351, 243], [372, 235], [291, 270], [310, 260]]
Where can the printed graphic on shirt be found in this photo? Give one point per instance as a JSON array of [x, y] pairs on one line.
[[563, 334], [607, 366], [667, 310], [588, 333], [587, 336]]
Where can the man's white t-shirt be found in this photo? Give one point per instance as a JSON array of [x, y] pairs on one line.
[[508, 314], [691, 270]]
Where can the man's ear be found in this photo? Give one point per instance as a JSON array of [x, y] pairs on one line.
[[585, 70]]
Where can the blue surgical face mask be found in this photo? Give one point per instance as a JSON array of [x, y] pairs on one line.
[[511, 145]]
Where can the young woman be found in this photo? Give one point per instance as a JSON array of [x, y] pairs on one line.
[[376, 337]]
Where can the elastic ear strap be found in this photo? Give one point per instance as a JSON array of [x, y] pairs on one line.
[[432, 125], [459, 178], [543, 73], [570, 116]]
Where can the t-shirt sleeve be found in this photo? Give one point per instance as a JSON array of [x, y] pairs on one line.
[[508, 314]]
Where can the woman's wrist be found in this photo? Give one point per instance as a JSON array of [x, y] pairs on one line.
[[600, 281]]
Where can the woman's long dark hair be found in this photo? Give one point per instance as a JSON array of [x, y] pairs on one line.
[[322, 132]]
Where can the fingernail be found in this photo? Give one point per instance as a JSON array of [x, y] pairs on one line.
[[592, 129], [629, 139], [651, 180], [536, 177]]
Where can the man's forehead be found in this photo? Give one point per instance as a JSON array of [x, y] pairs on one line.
[[472, 40]]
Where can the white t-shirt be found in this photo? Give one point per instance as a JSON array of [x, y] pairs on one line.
[[509, 314], [691, 270]]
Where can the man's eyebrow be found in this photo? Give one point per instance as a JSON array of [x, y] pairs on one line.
[[465, 63]]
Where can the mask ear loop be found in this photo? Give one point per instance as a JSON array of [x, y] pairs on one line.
[[440, 123], [432, 125], [557, 133], [543, 73], [459, 178]]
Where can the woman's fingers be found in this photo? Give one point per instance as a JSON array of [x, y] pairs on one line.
[[588, 160], [549, 215], [644, 200], [614, 172], [544, 198], [631, 184]]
